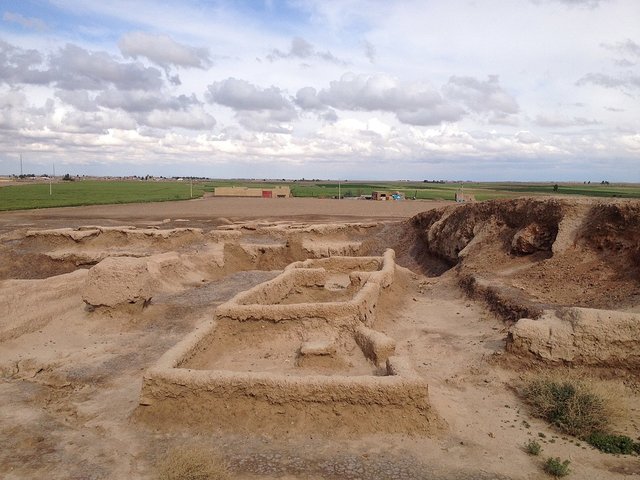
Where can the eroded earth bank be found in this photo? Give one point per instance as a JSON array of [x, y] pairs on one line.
[[330, 349]]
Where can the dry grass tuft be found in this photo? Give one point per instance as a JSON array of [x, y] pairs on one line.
[[192, 463], [574, 403]]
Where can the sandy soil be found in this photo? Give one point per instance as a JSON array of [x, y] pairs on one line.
[[70, 377], [210, 210]]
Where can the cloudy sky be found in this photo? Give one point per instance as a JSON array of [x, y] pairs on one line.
[[350, 89]]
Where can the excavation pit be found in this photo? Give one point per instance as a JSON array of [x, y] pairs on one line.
[[265, 364], [287, 348], [336, 300]]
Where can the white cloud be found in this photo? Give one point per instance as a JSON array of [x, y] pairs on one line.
[[302, 49], [143, 101], [164, 51], [627, 47], [72, 67], [243, 95], [527, 137], [258, 109], [415, 103], [560, 121], [624, 81], [195, 118], [481, 96]]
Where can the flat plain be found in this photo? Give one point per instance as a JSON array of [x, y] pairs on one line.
[[37, 193]]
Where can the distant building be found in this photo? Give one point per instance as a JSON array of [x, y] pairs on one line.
[[377, 195], [276, 192]]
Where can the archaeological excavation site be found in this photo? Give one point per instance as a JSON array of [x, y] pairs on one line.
[[281, 345]]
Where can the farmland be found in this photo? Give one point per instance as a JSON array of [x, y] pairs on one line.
[[28, 195], [93, 192]]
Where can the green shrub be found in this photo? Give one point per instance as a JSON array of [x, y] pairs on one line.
[[573, 406], [532, 447], [619, 444], [556, 467]]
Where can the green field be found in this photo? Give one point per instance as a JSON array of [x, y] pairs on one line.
[[439, 191], [96, 192], [93, 192]]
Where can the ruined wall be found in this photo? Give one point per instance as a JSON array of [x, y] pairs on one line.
[[316, 404], [360, 308], [395, 402], [259, 302], [579, 336], [275, 290], [376, 346]]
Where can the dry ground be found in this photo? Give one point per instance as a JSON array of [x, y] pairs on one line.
[[209, 211], [70, 381]]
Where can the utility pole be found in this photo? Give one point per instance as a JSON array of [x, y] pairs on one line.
[[51, 180], [20, 165], [338, 190], [191, 185]]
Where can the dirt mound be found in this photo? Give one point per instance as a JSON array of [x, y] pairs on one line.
[[613, 231], [21, 302], [121, 281], [448, 231], [118, 280], [564, 252]]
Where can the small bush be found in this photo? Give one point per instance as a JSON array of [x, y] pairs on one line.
[[619, 444], [532, 447], [572, 405], [556, 467], [192, 464]]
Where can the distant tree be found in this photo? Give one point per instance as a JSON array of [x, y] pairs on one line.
[[555, 187], [67, 178]]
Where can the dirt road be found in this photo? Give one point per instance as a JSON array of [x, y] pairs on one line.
[[208, 209]]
